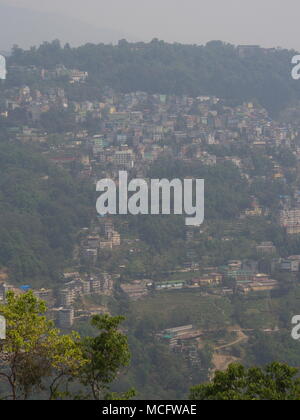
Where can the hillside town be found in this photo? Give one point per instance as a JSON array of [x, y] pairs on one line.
[[130, 131]]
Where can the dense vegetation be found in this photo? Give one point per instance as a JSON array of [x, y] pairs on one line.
[[225, 189], [41, 209], [159, 67]]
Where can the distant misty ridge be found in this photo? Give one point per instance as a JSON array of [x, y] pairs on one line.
[[25, 27]]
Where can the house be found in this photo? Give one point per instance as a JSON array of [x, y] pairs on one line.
[[45, 294], [258, 287], [124, 159], [266, 248], [169, 285], [66, 297], [66, 318], [290, 264], [290, 220], [95, 285], [135, 290], [212, 279], [78, 76], [114, 237]]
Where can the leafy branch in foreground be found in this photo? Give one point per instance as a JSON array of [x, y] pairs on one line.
[[106, 353], [34, 350], [37, 360]]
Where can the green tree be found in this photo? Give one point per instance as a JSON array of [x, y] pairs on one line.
[[274, 382], [107, 353], [35, 357]]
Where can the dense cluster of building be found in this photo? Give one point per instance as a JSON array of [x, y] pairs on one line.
[[62, 302]]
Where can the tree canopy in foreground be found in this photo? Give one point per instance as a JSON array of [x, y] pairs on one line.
[[276, 381], [37, 360]]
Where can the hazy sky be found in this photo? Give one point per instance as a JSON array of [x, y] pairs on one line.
[[265, 22]]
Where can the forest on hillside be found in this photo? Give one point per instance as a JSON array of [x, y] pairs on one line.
[[159, 67], [41, 209]]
